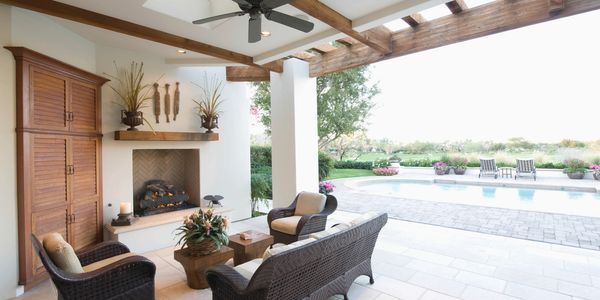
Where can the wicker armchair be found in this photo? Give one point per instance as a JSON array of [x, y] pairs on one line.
[[129, 278], [307, 224]]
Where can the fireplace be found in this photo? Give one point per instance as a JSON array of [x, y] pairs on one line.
[[165, 180]]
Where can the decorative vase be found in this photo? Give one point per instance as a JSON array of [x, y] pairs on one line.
[[440, 171], [576, 175], [460, 171], [210, 122], [132, 118], [202, 248]]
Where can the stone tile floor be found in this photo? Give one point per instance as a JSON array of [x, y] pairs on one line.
[[419, 261], [576, 231]]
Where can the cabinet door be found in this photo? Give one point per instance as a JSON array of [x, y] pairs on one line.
[[84, 105], [85, 191], [49, 180], [43, 222], [48, 100]]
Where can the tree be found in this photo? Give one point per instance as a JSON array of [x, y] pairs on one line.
[[344, 101]]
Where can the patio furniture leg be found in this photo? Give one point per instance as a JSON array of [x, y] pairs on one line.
[[371, 280], [346, 297]]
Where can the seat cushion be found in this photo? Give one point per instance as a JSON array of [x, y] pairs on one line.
[[61, 253], [247, 269], [286, 225], [105, 262], [364, 218], [329, 231], [272, 251], [309, 203]]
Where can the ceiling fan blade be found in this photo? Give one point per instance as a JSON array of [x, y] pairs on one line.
[[271, 4], [219, 17], [254, 28], [290, 21], [243, 3]]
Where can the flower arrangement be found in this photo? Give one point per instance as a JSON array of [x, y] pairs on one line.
[[385, 171], [440, 167], [204, 228], [326, 187], [596, 171]]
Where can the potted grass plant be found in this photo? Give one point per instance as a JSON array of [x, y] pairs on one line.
[[459, 165], [132, 94], [575, 168], [209, 102]]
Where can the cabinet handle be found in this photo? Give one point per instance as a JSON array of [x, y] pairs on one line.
[[72, 169], [73, 218], [72, 116]]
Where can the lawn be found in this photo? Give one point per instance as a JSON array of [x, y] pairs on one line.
[[346, 173]]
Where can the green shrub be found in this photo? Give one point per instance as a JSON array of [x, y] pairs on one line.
[[260, 190], [351, 164], [381, 163], [260, 156], [325, 165], [458, 162], [417, 162], [575, 165]]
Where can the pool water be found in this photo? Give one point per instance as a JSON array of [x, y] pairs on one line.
[[554, 201]]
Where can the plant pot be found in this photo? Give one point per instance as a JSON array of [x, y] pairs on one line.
[[440, 171], [460, 171], [576, 175], [596, 176], [210, 122], [447, 171], [132, 118], [205, 247]]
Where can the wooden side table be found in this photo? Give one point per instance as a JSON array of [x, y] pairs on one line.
[[246, 250], [195, 266]]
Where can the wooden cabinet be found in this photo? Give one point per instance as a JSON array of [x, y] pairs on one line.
[[58, 156]]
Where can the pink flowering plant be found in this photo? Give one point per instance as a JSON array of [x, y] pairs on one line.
[[595, 169], [440, 165], [203, 225], [385, 171], [326, 187]]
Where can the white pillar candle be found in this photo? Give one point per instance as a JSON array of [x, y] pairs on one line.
[[125, 208]]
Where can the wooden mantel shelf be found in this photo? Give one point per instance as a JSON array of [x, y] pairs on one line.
[[164, 136]]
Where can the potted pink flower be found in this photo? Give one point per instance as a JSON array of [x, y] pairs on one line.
[[385, 171], [595, 171], [326, 187], [440, 168]]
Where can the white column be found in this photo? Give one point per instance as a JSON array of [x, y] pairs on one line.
[[294, 132]]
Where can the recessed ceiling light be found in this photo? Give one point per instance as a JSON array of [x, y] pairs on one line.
[[265, 33], [181, 51]]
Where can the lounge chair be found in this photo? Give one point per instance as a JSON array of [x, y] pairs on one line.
[[488, 167], [525, 166]]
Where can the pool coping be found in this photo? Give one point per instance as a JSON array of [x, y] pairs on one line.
[[353, 184]]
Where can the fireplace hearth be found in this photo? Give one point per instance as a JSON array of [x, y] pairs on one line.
[[165, 180]]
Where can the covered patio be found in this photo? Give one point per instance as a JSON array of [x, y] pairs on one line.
[[88, 39]]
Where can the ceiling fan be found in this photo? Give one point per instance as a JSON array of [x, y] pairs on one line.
[[256, 8]]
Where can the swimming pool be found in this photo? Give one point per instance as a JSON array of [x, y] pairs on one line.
[[554, 201]]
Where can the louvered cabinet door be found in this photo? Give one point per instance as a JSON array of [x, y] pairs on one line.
[[43, 222], [48, 105], [49, 180], [85, 191], [84, 106]]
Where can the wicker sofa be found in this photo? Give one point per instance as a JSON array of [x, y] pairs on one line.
[[316, 270]]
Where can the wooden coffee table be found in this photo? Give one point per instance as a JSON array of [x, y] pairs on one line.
[[195, 266], [246, 250]]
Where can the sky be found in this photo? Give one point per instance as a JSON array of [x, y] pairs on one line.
[[540, 82]]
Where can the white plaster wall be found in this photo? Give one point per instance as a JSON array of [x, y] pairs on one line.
[[23, 28], [8, 213], [224, 164], [40, 33]]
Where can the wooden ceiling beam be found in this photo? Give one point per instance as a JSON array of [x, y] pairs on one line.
[[316, 9], [247, 74], [456, 6], [555, 6], [476, 22], [73, 13], [414, 20]]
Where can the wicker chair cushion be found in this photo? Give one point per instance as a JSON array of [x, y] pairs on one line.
[[309, 203], [61, 253], [364, 218], [329, 231], [105, 262], [247, 269], [273, 251], [286, 225]]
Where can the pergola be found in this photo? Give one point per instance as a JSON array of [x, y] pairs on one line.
[[293, 64]]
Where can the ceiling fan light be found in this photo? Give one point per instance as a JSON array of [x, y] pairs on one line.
[[265, 33]]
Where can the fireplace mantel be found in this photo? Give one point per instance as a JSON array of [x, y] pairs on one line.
[[124, 135]]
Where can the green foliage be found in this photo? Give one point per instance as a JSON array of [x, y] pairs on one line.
[[381, 163], [260, 190], [519, 144], [351, 164], [344, 101], [567, 143], [445, 158], [574, 165], [325, 165], [260, 156], [417, 162], [458, 162], [347, 173], [195, 229]]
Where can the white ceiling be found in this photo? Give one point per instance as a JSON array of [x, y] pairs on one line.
[[175, 15]]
